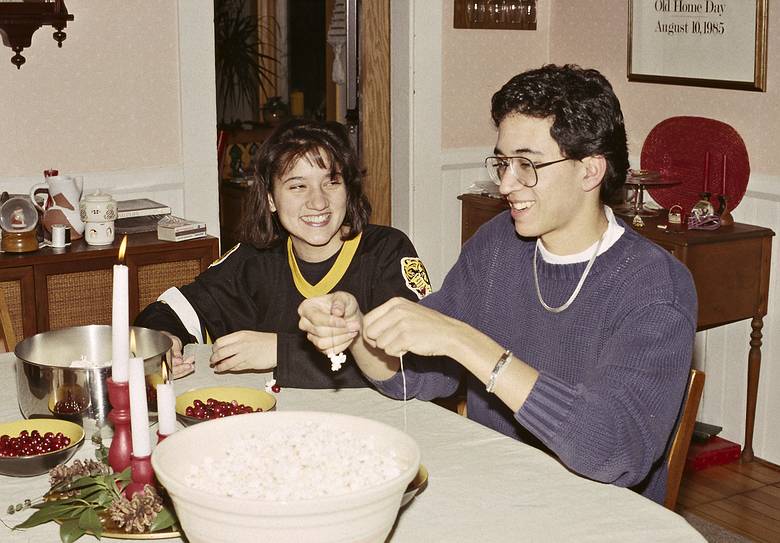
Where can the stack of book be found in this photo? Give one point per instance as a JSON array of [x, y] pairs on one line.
[[139, 215], [173, 228]]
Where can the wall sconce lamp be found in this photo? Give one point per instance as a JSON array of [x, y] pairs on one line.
[[19, 20]]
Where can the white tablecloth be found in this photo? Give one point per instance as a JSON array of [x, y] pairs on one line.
[[483, 486]]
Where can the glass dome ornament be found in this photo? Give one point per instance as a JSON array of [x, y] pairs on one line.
[[18, 220]]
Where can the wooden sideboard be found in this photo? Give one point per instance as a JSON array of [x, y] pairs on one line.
[[232, 195], [56, 288], [237, 154], [730, 267]]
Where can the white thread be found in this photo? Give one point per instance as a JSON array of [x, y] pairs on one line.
[[336, 360], [403, 378]]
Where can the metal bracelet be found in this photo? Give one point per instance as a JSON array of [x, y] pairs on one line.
[[503, 361]]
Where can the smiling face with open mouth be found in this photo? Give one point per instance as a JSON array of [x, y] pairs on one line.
[[311, 203], [562, 205]]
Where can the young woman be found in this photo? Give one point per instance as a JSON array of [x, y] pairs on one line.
[[306, 234]]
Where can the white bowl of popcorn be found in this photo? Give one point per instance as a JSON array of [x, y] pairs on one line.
[[287, 476]]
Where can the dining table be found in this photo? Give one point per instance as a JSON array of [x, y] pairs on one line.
[[482, 485]]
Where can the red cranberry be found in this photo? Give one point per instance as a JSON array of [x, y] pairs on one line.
[[214, 409], [276, 389], [32, 443], [69, 406]]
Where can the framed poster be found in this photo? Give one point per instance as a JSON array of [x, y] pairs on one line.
[[704, 43]]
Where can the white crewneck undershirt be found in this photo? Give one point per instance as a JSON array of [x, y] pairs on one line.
[[611, 235]]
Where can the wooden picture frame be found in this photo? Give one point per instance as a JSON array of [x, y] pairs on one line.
[[703, 43], [494, 14]]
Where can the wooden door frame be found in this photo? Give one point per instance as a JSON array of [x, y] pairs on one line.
[[375, 105], [374, 72]]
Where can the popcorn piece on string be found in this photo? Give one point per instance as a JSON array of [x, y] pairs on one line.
[[269, 385], [336, 360]]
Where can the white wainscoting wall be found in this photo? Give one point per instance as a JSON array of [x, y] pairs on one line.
[[721, 352], [163, 184]]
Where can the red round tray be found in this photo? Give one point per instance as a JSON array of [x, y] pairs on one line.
[[678, 147]]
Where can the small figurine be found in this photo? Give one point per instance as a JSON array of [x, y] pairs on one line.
[[723, 211], [17, 218]]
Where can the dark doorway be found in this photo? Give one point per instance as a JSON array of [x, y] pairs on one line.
[[307, 49]]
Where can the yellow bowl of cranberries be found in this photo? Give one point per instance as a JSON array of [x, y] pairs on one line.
[[34, 446], [204, 404]]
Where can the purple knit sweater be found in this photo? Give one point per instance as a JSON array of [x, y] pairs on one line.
[[612, 367]]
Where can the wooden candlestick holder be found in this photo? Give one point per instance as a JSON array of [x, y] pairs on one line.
[[141, 474], [122, 443]]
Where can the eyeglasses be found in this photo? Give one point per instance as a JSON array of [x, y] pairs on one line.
[[522, 168]]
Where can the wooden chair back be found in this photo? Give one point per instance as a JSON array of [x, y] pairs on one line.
[[6, 326], [681, 438]]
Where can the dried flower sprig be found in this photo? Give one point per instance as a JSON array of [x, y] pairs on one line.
[[86, 497]]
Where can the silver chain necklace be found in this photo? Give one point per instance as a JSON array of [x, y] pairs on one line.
[[577, 288]]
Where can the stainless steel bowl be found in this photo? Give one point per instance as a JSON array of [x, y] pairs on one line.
[[47, 385]]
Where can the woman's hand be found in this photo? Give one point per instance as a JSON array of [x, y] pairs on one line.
[[181, 366], [244, 350], [331, 322]]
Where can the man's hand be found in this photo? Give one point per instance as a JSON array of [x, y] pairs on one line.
[[331, 322], [399, 326], [244, 350], [181, 366]]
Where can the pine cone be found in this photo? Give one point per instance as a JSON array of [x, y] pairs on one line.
[[136, 515], [97, 468], [59, 474], [77, 470]]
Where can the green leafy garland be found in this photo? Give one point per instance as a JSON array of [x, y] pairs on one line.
[[88, 498]]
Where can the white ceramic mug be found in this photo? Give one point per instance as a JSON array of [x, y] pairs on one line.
[[99, 233], [98, 207], [98, 211]]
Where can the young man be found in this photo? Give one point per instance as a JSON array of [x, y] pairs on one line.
[[572, 329]]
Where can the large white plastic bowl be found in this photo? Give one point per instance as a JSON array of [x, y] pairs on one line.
[[361, 516]]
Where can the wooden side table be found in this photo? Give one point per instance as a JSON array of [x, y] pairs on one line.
[[730, 268]]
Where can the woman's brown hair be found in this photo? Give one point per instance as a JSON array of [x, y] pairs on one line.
[[319, 142]]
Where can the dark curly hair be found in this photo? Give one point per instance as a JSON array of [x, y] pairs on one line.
[[320, 142], [587, 119]]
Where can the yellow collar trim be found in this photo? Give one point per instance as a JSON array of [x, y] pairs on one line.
[[333, 276]]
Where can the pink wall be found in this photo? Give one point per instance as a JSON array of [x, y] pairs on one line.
[[593, 33], [107, 100], [475, 63]]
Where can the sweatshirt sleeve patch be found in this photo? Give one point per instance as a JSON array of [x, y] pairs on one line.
[[415, 276]]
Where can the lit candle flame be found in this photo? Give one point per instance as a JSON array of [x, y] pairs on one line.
[[132, 342], [122, 248]]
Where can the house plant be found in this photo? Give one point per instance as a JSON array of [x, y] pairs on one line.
[[245, 60]]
